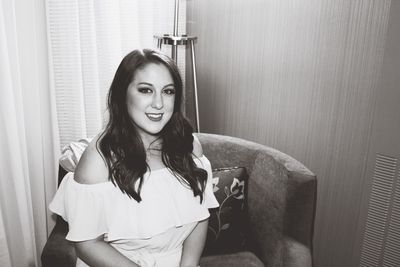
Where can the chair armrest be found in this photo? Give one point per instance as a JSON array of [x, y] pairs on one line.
[[58, 251], [281, 205], [281, 195], [301, 197], [266, 206]]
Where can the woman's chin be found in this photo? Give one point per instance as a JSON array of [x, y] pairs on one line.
[[153, 131]]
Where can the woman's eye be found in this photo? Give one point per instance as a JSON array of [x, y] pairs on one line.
[[169, 91], [145, 90]]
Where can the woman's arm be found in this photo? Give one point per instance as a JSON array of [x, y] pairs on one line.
[[194, 244], [99, 253], [91, 169]]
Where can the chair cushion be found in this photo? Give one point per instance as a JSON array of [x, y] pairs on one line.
[[227, 226], [240, 259]]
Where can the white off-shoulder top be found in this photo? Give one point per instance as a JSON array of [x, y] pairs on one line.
[[150, 232]]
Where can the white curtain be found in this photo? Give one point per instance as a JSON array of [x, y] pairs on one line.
[[88, 39], [27, 133], [57, 61]]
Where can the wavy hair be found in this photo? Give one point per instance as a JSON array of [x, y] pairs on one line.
[[121, 146]]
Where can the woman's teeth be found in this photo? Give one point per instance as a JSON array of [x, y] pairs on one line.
[[154, 116]]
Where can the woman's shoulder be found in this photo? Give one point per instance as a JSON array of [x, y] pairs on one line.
[[91, 168], [197, 148]]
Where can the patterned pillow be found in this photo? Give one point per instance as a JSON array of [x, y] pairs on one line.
[[227, 225]]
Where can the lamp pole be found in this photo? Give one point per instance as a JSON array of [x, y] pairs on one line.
[[175, 32], [175, 40]]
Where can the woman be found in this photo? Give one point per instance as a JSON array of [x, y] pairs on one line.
[[141, 191]]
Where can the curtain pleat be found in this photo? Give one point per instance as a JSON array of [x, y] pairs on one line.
[[27, 133]]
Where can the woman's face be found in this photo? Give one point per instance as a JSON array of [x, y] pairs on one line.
[[150, 99]]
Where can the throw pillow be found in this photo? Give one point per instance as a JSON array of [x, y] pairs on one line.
[[227, 225]]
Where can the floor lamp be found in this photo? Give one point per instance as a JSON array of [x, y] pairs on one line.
[[176, 40]]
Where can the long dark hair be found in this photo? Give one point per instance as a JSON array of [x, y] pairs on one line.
[[123, 149]]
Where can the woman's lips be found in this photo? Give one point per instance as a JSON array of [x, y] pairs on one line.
[[154, 116]]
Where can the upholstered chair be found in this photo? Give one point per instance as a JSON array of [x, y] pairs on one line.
[[278, 216]]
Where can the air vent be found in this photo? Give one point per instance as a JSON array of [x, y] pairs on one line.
[[378, 212], [391, 252]]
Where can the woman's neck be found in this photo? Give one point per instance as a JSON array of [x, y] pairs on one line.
[[153, 147], [151, 142]]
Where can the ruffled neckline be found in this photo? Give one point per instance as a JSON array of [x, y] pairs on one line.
[[147, 174], [95, 209]]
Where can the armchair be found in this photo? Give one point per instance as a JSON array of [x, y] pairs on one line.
[[280, 208]]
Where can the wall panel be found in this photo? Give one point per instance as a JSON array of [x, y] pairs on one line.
[[379, 217], [300, 76]]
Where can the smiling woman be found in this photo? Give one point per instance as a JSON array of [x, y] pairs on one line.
[[141, 191]]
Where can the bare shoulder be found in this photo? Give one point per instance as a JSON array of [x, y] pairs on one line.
[[91, 168], [197, 149]]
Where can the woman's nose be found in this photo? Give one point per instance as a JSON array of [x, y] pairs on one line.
[[157, 102]]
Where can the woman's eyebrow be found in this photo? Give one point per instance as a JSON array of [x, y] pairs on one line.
[[150, 84], [145, 83], [171, 84]]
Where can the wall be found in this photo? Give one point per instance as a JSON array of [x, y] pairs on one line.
[[379, 218], [300, 76]]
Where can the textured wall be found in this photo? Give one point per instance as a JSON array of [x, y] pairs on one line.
[[380, 211], [300, 76]]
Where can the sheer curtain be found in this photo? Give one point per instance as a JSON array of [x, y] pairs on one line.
[[27, 133], [88, 39], [57, 61]]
